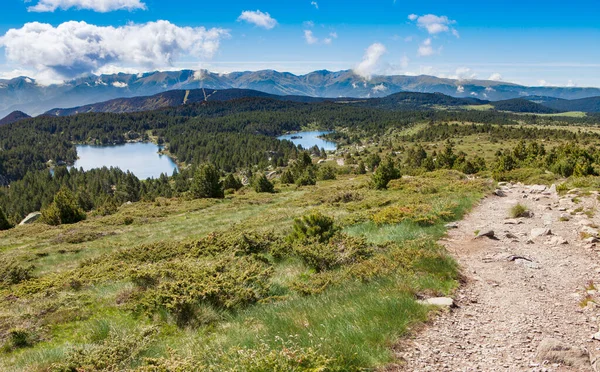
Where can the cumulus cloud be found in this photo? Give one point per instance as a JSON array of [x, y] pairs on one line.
[[434, 24], [258, 18], [495, 77], [465, 73], [315, 4], [74, 48], [95, 5], [119, 84], [310, 37], [371, 60], [379, 88], [460, 89], [571, 84], [425, 49], [332, 36]]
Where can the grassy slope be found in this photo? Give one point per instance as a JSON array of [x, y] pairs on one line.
[[351, 324]]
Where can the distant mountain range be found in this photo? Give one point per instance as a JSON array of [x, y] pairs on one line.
[[24, 94]]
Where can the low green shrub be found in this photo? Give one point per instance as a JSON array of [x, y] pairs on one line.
[[315, 225]]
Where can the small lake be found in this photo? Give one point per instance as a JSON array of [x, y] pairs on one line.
[[309, 139], [141, 159]]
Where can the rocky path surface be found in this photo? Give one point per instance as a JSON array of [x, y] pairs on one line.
[[529, 298]]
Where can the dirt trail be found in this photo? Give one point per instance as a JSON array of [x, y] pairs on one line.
[[511, 309]]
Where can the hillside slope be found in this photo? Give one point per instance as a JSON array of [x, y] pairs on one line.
[[14, 117]]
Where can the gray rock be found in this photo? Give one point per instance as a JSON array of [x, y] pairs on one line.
[[527, 263], [573, 191], [537, 189], [551, 350], [486, 233], [591, 240], [565, 217], [451, 225], [511, 236], [499, 193], [31, 218], [585, 222], [589, 231], [540, 231], [512, 221], [438, 301], [558, 240]]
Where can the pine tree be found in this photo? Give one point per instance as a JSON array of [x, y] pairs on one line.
[[231, 182], [63, 210], [262, 184], [206, 183], [4, 224], [384, 174]]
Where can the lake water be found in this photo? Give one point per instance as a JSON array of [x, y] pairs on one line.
[[141, 159], [309, 139]]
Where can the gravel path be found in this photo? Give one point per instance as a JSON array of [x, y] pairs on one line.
[[528, 303]]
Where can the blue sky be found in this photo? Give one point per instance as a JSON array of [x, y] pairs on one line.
[[530, 42]]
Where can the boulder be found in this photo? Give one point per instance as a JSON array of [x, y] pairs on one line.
[[551, 350], [438, 301], [540, 231], [499, 193], [487, 234], [586, 230], [537, 189], [451, 225], [31, 218], [558, 240], [585, 222]]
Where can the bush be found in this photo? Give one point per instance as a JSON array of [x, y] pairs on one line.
[[63, 210], [518, 210], [4, 224], [17, 339], [207, 183], [287, 177], [384, 174], [313, 226], [231, 182], [340, 250], [326, 172], [13, 273], [307, 178], [262, 184]]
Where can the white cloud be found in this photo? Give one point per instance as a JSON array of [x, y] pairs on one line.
[[425, 49], [495, 77], [404, 61], [571, 84], [460, 89], [332, 36], [95, 5], [464, 73], [490, 89], [315, 4], [544, 83], [434, 24], [371, 60], [408, 39], [74, 48], [258, 18], [119, 84], [310, 37], [379, 88]]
